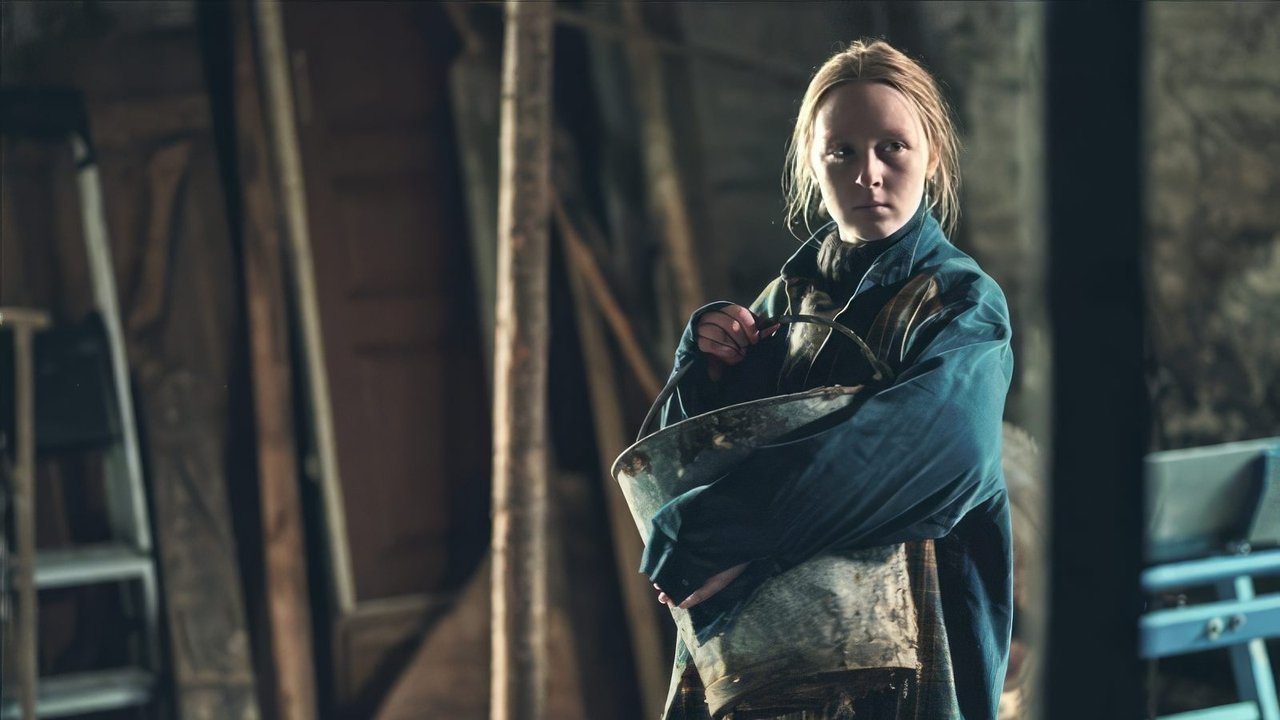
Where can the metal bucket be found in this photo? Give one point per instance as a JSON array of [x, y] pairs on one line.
[[834, 613]]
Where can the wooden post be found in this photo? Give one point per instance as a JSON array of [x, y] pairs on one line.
[[518, 682], [24, 511], [288, 600], [1100, 408], [25, 323]]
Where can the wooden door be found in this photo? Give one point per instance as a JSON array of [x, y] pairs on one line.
[[394, 291]]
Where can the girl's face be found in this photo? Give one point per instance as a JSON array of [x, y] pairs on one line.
[[870, 158]]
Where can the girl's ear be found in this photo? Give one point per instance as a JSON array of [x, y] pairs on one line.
[[934, 161]]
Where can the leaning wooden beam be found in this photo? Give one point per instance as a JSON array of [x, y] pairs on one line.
[[287, 598], [518, 682], [448, 675], [278, 94], [789, 75], [166, 170], [666, 191], [594, 283], [24, 324], [611, 439], [474, 88]]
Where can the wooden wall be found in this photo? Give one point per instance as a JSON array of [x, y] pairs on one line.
[[1213, 245], [180, 304]]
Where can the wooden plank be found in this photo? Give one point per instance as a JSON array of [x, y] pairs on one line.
[[121, 123], [629, 257], [519, 546], [287, 597], [374, 645], [25, 317], [182, 368], [165, 172], [662, 169], [595, 290], [24, 323], [782, 72], [449, 668], [474, 88], [282, 128], [611, 439], [448, 676]]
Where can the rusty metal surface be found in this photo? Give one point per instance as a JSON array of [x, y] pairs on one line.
[[835, 612], [848, 611], [695, 451]]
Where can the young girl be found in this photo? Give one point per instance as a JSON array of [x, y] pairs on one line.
[[874, 157]]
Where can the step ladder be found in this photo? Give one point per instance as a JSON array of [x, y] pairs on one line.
[[128, 558]]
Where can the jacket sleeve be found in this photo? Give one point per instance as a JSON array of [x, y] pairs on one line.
[[908, 465], [695, 393]]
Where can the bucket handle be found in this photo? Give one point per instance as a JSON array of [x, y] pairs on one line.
[[882, 371]]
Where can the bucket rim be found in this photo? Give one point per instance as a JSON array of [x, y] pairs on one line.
[[827, 391]]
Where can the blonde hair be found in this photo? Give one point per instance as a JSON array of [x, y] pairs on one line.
[[877, 61]]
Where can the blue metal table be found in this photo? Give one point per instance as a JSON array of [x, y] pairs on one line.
[[1213, 520]]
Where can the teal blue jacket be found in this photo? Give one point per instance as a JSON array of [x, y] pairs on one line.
[[920, 459]]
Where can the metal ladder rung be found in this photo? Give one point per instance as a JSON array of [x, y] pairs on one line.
[[91, 564], [76, 694]]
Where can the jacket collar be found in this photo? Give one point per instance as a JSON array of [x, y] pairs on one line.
[[893, 266]]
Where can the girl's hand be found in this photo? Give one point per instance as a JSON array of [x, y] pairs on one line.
[[724, 334], [713, 585]]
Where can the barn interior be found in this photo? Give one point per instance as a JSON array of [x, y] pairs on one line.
[[248, 286]]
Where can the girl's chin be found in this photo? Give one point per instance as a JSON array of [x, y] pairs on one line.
[[870, 232]]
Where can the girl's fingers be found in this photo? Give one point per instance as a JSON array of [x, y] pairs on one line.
[[714, 340], [713, 585], [725, 331], [662, 597], [720, 334], [722, 350], [748, 320], [737, 320]]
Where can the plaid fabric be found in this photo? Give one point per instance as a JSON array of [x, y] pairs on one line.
[[935, 693]]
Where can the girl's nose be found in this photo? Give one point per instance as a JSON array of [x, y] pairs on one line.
[[870, 171]]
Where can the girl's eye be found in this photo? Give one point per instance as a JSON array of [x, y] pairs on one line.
[[894, 146], [840, 153]]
